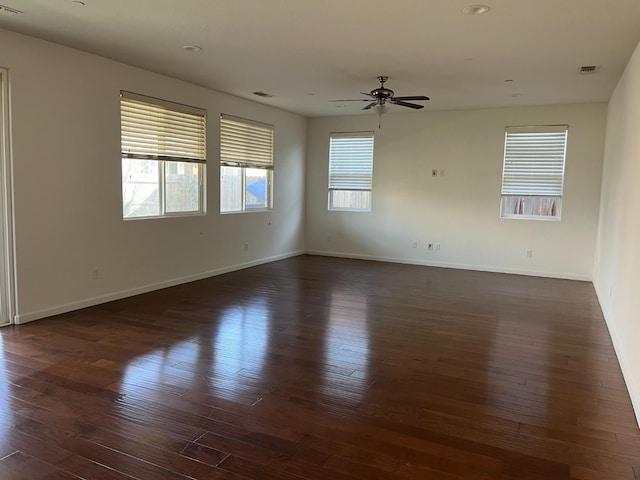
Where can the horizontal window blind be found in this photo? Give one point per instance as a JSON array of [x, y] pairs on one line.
[[534, 159], [156, 129], [351, 161], [245, 143]]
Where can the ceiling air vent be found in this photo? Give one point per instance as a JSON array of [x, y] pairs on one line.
[[263, 94], [7, 11], [589, 69]]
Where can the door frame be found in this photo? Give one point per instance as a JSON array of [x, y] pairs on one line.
[[7, 272]]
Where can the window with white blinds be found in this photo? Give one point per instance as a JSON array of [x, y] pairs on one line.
[[246, 165], [245, 143], [350, 171], [533, 171], [163, 152], [160, 130]]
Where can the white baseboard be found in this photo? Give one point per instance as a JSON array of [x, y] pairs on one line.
[[90, 302], [461, 266], [634, 391]]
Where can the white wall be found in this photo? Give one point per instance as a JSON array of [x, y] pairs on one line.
[[617, 266], [460, 211], [65, 116]]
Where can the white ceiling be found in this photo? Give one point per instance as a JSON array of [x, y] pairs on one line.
[[306, 52]]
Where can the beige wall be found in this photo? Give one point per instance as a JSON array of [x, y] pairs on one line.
[[617, 265], [460, 210], [65, 118]]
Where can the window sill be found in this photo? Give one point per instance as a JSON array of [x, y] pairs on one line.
[[171, 215], [253, 210], [348, 210], [529, 217]]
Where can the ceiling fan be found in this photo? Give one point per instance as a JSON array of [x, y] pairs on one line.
[[382, 95]]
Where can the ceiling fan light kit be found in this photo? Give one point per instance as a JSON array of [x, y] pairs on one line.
[[382, 96], [380, 109]]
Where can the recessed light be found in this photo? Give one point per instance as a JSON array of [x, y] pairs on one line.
[[516, 95], [78, 2], [311, 94], [508, 81], [192, 48], [476, 9], [263, 94]]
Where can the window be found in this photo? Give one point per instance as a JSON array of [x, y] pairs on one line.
[[246, 165], [533, 172], [163, 157], [350, 171]]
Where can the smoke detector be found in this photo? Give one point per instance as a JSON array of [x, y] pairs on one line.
[[588, 69], [8, 11]]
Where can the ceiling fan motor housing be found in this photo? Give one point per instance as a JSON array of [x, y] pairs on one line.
[[382, 93]]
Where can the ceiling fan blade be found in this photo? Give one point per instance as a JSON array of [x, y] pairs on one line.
[[415, 97], [368, 107], [395, 101], [352, 100], [368, 94]]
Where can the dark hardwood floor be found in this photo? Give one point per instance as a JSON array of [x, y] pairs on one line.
[[316, 368]]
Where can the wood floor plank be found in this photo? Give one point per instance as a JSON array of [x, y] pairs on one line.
[[85, 468], [317, 368], [20, 466], [171, 458]]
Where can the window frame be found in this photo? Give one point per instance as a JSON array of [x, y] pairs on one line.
[[135, 146], [355, 185], [247, 144], [546, 181]]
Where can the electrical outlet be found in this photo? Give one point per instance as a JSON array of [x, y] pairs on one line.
[[430, 246], [246, 247], [442, 173], [414, 244], [328, 238], [530, 253], [434, 172], [437, 246], [95, 274]]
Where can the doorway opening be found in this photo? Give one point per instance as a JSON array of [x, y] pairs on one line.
[[6, 222]]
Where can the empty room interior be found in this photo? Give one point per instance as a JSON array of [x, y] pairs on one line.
[[319, 240]]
